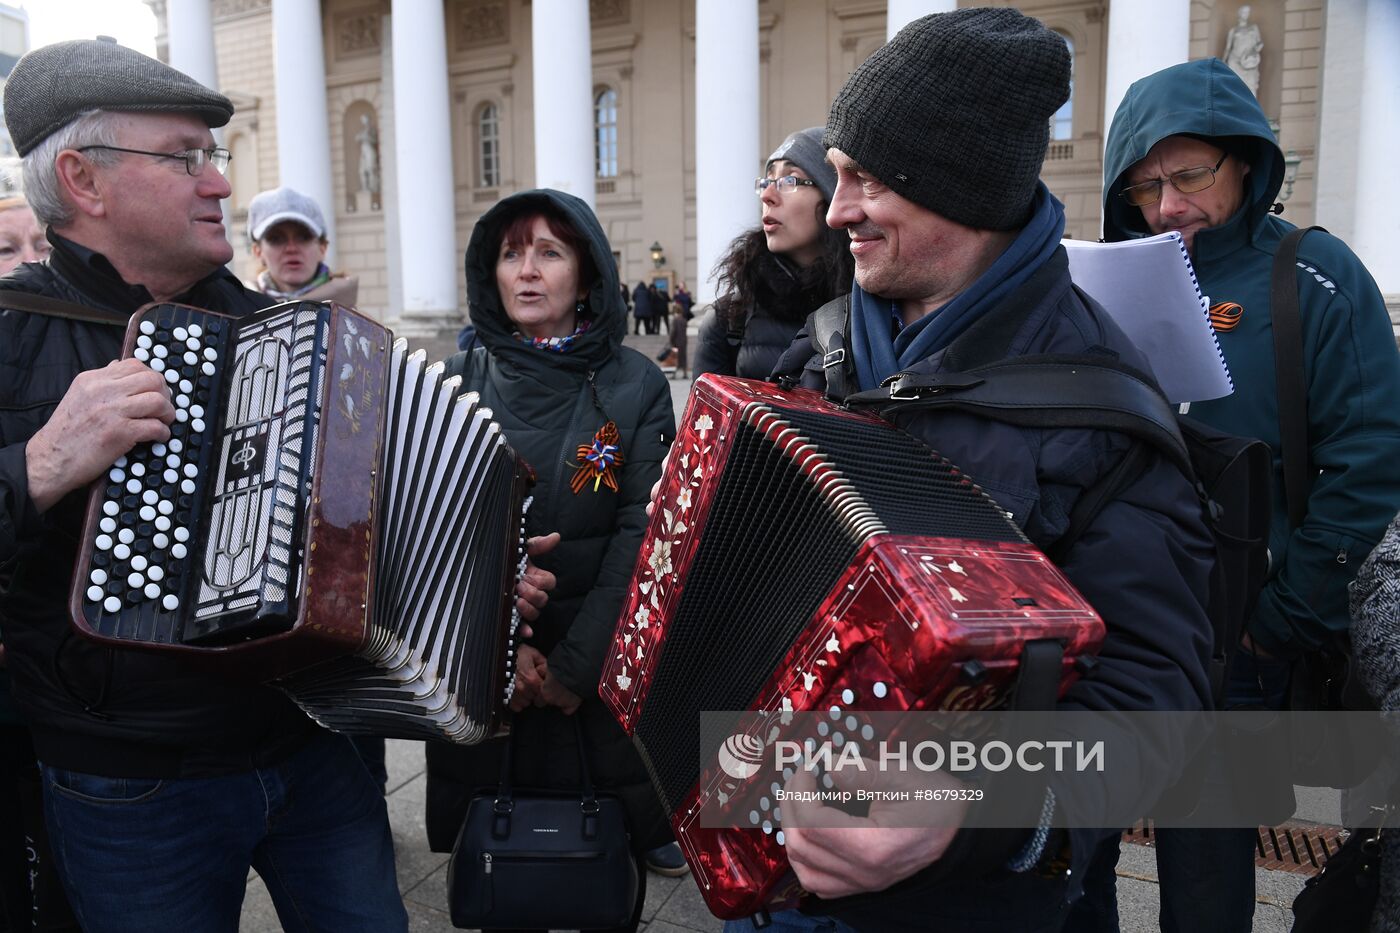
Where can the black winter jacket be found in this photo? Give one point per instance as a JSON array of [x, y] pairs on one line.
[[752, 350], [1143, 564], [549, 405], [92, 708]]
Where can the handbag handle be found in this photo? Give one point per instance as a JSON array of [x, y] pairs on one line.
[[504, 803]]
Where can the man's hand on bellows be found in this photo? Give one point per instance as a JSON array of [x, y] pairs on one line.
[[532, 592], [103, 415]]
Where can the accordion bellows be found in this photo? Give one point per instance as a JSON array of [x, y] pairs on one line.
[[803, 557], [330, 514]]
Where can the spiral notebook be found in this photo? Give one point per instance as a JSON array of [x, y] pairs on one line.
[[1149, 288]]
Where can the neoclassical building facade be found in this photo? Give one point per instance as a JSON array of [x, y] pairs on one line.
[[409, 119]]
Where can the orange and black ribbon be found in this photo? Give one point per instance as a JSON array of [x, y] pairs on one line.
[[1225, 315], [599, 460]]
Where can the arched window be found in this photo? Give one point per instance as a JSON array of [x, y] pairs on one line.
[[488, 147], [605, 133], [1062, 123]]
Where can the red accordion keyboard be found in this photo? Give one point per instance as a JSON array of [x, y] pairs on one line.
[[803, 557]]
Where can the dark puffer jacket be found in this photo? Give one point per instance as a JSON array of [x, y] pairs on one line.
[[91, 708], [547, 406], [1144, 564], [752, 349]]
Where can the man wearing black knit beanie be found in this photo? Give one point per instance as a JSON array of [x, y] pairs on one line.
[[937, 141]]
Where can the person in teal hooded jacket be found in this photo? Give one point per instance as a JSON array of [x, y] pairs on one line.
[[1351, 366], [1191, 150]]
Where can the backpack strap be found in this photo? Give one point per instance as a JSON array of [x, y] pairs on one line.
[[54, 307], [1291, 384]]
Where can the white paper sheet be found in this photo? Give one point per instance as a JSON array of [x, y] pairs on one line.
[[1149, 287]]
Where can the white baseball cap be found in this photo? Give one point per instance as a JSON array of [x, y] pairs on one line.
[[279, 204]]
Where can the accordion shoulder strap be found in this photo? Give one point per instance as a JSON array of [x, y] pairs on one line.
[[827, 328], [54, 307], [1052, 391]]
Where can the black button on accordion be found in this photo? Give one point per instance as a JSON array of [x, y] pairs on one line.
[[329, 514]]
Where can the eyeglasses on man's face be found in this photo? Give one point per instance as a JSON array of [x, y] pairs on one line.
[[786, 184], [194, 159], [1187, 181]]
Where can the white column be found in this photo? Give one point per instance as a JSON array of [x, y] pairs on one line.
[[303, 126], [900, 13], [190, 29], [1144, 36], [1339, 117], [1377, 224], [389, 176], [726, 130], [561, 48], [423, 156], [189, 26]]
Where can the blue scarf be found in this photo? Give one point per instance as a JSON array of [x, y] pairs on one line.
[[879, 354]]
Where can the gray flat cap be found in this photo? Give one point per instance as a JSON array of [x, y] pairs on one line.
[[54, 83]]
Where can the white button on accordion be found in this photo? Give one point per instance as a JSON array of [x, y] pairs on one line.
[[329, 514]]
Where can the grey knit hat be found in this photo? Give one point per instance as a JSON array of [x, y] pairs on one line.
[[954, 113], [55, 83], [805, 150]]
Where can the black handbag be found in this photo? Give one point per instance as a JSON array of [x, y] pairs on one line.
[[541, 859], [1343, 895]]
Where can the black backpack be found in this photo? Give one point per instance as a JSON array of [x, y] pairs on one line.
[[1232, 475]]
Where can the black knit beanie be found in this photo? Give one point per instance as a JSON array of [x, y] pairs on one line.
[[954, 113]]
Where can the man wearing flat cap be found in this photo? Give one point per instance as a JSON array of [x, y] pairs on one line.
[[937, 141], [162, 786]]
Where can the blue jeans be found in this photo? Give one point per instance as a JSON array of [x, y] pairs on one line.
[[1206, 875], [791, 921], [172, 856]]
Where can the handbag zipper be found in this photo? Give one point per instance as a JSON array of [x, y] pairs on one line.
[[491, 858]]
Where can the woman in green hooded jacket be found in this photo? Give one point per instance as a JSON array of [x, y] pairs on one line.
[[594, 420]]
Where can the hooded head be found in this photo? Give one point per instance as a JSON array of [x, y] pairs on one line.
[[1202, 99], [602, 303]]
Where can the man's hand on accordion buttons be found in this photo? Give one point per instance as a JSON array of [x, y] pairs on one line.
[[836, 854], [532, 592], [104, 413]]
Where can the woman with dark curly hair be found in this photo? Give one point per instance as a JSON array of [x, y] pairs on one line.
[[772, 277]]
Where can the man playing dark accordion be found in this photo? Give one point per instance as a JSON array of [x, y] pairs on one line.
[[162, 785]]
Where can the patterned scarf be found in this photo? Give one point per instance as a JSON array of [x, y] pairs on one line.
[[557, 344]]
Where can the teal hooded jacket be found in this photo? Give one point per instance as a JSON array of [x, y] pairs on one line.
[[1350, 362]]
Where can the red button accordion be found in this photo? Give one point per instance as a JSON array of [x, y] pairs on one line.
[[803, 557], [329, 512]]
